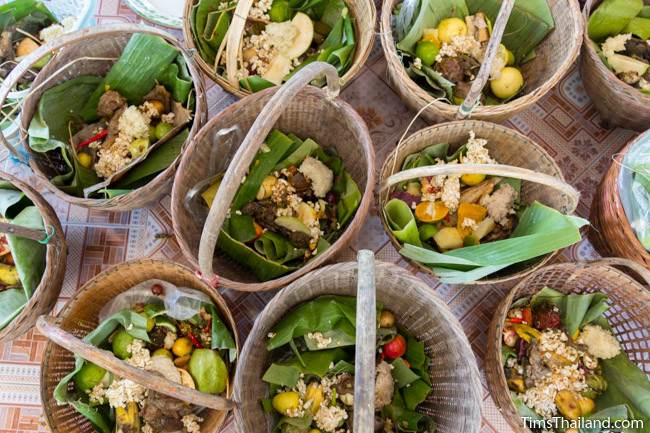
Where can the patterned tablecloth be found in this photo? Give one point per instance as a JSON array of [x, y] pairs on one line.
[[564, 122]]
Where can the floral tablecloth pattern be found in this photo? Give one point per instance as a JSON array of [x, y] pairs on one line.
[[564, 122]]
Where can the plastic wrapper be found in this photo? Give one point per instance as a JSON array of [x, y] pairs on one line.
[[634, 187], [180, 303]]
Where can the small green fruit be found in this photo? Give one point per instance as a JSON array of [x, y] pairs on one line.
[[163, 129], [427, 51], [121, 341], [280, 11], [88, 377]]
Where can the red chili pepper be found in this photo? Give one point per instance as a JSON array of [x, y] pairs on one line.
[[515, 320], [527, 315], [207, 327], [194, 341], [92, 139]]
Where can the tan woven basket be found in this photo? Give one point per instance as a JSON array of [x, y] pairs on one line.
[[80, 316], [617, 102], [611, 233], [47, 292], [456, 398], [518, 156], [364, 16], [555, 56], [91, 52], [629, 316], [296, 107]]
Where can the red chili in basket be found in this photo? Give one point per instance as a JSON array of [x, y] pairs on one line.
[[194, 341], [515, 320], [92, 139]]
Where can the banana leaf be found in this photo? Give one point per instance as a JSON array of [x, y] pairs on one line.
[[611, 414], [529, 23], [216, 28], [427, 156], [402, 222], [134, 324], [639, 26], [432, 81], [176, 77], [221, 336], [17, 10], [611, 17], [310, 363], [12, 302], [29, 255], [276, 248], [143, 60], [408, 420], [255, 83], [541, 230], [431, 12], [645, 12], [338, 47], [12, 200], [207, 53]]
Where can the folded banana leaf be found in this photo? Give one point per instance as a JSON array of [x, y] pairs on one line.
[[29, 256], [530, 22], [207, 53], [310, 363], [541, 230], [611, 17], [338, 47], [432, 81], [634, 182], [134, 324], [430, 13], [17, 10], [255, 83], [639, 26]]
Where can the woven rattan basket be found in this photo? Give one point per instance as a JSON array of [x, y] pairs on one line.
[[91, 52], [611, 233], [554, 57], [617, 102], [629, 316], [296, 107], [80, 316], [518, 157], [456, 397], [47, 292], [364, 16]]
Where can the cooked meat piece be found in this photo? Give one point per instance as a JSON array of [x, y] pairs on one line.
[[159, 93], [182, 116], [384, 385], [297, 239], [300, 183], [451, 68], [638, 48], [164, 413], [157, 338], [462, 89], [113, 127], [535, 368], [6, 47], [262, 211], [345, 385], [547, 318], [109, 103]]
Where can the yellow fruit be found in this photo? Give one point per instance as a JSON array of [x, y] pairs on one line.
[[85, 159], [472, 179], [511, 58], [508, 84], [286, 402], [182, 346], [587, 405], [211, 192], [26, 46], [567, 403], [314, 430], [9, 275], [429, 211], [451, 27], [307, 214], [448, 238], [162, 352], [431, 35], [386, 319], [315, 394], [158, 107], [266, 188]]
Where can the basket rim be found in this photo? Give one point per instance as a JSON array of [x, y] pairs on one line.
[[222, 306], [476, 125], [496, 379], [412, 281], [344, 239], [480, 111], [619, 86], [355, 69], [155, 188], [55, 262], [611, 190]]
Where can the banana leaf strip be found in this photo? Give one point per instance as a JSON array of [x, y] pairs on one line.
[[314, 363], [176, 77], [611, 17], [276, 248], [198, 18], [31, 13], [293, 424], [402, 222], [255, 83], [12, 302], [408, 420], [529, 23], [433, 81], [639, 26], [12, 200], [216, 27]]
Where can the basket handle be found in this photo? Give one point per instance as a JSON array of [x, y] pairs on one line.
[[472, 98], [245, 155], [488, 169], [365, 343], [60, 42], [47, 326], [234, 39], [41, 236], [640, 270]]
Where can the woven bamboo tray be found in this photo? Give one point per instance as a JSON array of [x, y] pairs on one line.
[[518, 156], [611, 233], [296, 107], [629, 316], [364, 16], [555, 56], [80, 316], [617, 102], [47, 292], [91, 52], [456, 397]]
